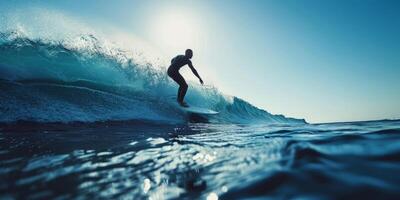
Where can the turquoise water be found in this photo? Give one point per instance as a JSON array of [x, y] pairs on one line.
[[137, 160], [87, 81]]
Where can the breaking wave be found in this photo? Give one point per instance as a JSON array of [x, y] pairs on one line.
[[85, 80]]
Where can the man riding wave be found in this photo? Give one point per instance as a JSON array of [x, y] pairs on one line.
[[173, 71]]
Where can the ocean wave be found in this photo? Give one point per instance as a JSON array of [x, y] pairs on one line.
[[58, 81]]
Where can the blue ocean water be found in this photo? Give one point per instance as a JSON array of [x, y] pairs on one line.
[[80, 119], [82, 79], [137, 160]]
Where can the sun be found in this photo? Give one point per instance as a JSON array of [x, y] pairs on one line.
[[176, 30]]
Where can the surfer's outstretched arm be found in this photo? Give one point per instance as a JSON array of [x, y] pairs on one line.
[[195, 72]]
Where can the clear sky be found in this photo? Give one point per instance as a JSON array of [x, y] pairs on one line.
[[324, 61]]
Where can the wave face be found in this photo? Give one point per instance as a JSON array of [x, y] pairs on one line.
[[45, 80]]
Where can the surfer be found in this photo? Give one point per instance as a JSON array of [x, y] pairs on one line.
[[173, 72]]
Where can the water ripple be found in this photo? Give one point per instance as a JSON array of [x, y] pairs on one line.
[[203, 161]]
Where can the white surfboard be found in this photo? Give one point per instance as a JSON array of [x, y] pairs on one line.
[[194, 109], [197, 110]]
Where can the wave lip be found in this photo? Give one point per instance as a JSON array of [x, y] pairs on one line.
[[54, 81]]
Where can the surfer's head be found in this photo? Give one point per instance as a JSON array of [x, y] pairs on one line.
[[189, 53]]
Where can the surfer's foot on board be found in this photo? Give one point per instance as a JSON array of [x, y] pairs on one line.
[[183, 104]]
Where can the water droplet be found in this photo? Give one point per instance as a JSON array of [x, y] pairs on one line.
[[212, 196], [146, 185]]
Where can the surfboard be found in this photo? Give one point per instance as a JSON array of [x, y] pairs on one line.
[[195, 109], [198, 110]]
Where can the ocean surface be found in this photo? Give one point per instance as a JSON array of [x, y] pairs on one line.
[[139, 160], [83, 118]]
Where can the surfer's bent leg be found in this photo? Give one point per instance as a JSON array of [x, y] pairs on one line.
[[182, 85], [182, 88]]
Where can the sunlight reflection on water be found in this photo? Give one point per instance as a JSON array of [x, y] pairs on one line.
[[205, 162]]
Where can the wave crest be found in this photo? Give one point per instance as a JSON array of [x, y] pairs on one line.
[[86, 80]]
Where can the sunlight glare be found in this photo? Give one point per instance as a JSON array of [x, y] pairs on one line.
[[176, 30]]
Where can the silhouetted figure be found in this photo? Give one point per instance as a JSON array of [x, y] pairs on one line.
[[173, 72]]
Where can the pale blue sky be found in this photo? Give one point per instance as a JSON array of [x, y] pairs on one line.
[[323, 61]]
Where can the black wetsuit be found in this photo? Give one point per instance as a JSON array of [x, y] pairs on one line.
[[173, 72]]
